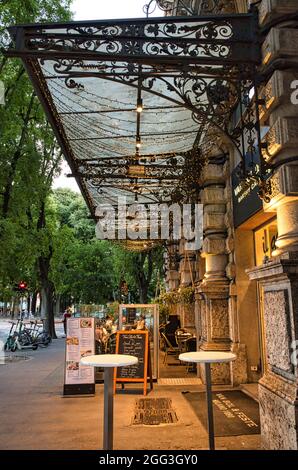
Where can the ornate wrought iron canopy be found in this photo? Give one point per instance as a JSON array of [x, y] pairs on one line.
[[134, 103], [189, 7]]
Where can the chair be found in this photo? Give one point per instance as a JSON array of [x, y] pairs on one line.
[[111, 343], [182, 336], [191, 346], [169, 348]]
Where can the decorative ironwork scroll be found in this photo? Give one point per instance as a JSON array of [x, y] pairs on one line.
[[189, 7], [194, 40], [169, 178]]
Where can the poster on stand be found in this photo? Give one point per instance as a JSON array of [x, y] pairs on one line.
[[80, 342]]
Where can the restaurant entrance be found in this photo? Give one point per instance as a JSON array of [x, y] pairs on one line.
[[255, 240], [166, 340], [264, 243], [175, 340]]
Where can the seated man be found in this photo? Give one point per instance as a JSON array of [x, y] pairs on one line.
[[140, 323], [170, 328], [101, 338]]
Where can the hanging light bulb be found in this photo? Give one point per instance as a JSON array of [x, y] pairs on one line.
[[139, 105]]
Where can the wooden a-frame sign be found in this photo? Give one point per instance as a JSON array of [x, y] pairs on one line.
[[134, 343]]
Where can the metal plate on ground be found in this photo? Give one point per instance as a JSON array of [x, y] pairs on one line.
[[154, 411]]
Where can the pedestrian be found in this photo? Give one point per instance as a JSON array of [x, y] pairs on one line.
[[66, 314]]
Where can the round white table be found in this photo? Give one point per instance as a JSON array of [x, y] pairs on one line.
[[108, 362], [207, 358]]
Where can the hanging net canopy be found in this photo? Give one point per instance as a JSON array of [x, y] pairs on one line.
[[100, 123], [132, 102]]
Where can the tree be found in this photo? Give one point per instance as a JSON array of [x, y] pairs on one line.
[[141, 271], [29, 158], [90, 270], [34, 227], [81, 267], [72, 212]]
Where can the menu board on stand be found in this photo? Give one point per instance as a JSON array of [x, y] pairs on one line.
[[80, 342], [134, 343]]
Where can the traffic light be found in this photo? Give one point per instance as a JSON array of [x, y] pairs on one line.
[[21, 287]]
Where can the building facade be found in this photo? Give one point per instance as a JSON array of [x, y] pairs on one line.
[[246, 274]]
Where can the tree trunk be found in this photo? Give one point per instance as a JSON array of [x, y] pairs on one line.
[[14, 161], [47, 287], [33, 303], [12, 307], [16, 307], [143, 289], [57, 309], [29, 304], [144, 280], [47, 308]]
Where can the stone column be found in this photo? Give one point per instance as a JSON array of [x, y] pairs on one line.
[[287, 222], [238, 369], [278, 386], [187, 279], [187, 266], [213, 290], [278, 279], [172, 266]]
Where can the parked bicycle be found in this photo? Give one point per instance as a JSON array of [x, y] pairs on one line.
[[38, 334], [19, 338], [9, 343]]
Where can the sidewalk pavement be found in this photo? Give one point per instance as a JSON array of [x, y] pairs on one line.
[[34, 415]]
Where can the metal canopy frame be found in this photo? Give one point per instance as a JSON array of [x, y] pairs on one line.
[[189, 7], [205, 65]]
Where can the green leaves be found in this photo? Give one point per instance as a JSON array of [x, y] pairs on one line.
[[47, 237], [29, 154]]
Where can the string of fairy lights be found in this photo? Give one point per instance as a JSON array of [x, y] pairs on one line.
[[75, 123], [65, 108], [98, 99], [84, 122], [100, 126]]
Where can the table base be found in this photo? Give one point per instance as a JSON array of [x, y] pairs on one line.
[[108, 408], [209, 406]]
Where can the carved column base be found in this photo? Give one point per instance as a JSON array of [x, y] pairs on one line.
[[239, 367], [214, 309], [220, 374], [278, 387], [187, 316], [278, 413]]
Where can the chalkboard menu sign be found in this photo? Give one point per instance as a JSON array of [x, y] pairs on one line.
[[134, 343]]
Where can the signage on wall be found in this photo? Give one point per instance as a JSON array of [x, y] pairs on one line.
[[80, 342], [246, 201]]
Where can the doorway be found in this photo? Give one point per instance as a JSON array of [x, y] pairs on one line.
[[264, 245]]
